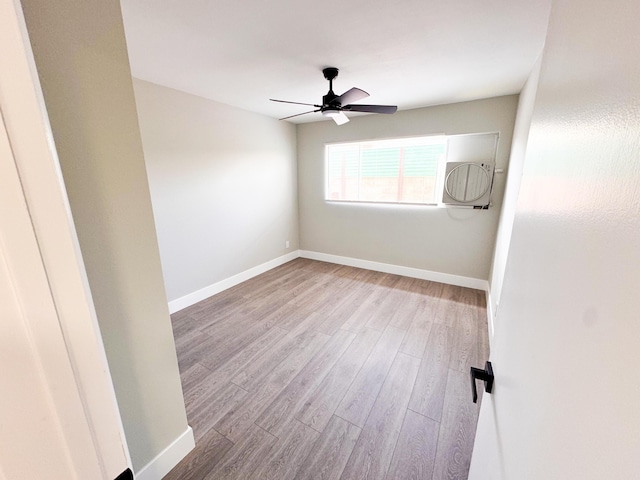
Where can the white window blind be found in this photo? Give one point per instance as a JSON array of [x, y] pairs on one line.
[[400, 170]]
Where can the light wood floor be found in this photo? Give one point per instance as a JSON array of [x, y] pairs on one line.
[[315, 370]]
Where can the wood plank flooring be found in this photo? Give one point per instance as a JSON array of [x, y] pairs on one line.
[[320, 371]]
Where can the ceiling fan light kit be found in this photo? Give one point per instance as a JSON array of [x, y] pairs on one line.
[[337, 116], [334, 106]]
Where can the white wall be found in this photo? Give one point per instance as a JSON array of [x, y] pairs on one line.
[[81, 58], [565, 351], [451, 241], [223, 186], [510, 199]]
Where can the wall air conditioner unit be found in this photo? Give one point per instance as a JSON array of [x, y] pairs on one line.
[[468, 184]]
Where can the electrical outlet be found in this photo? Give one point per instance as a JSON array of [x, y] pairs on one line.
[[286, 244]]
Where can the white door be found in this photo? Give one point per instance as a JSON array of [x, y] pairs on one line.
[[36, 439], [566, 351], [58, 414]]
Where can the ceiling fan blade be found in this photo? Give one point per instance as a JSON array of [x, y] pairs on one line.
[[340, 119], [352, 95], [296, 103], [371, 108], [298, 114]]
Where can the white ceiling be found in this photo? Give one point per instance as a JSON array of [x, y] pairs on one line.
[[410, 53]]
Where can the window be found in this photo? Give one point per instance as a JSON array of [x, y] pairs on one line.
[[404, 170]]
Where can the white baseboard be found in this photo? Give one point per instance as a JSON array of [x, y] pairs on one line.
[[447, 278], [206, 292], [168, 458]]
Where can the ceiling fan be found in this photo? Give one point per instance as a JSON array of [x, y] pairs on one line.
[[334, 106]]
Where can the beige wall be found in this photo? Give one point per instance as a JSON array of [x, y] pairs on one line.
[[223, 186], [82, 62], [444, 240], [565, 350]]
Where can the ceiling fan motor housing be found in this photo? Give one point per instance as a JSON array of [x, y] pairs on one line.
[[326, 100]]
